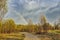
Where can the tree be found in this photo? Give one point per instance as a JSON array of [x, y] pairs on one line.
[[30, 25], [30, 22], [45, 27], [12, 25], [43, 20], [3, 8], [57, 24], [8, 26], [43, 23]]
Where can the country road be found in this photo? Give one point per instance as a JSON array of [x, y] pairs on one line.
[[29, 36]]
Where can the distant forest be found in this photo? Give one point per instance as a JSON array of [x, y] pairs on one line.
[[9, 26]]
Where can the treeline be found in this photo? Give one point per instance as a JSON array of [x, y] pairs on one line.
[[9, 26], [36, 28]]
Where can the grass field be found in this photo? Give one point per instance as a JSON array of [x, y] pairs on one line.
[[54, 31], [12, 36]]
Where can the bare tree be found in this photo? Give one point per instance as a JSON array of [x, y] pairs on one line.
[[3, 8], [43, 19], [57, 24], [30, 22]]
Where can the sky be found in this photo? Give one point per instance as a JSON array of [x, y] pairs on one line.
[[22, 10]]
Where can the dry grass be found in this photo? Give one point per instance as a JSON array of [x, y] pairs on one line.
[[12, 36]]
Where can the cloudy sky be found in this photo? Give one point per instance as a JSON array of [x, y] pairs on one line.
[[22, 10]]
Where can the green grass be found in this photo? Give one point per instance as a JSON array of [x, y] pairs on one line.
[[54, 31]]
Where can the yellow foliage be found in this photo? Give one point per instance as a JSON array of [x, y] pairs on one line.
[[9, 26]]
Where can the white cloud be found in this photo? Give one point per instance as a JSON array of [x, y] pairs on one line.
[[31, 5]]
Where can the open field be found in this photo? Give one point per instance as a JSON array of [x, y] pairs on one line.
[[29, 36], [12, 36]]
